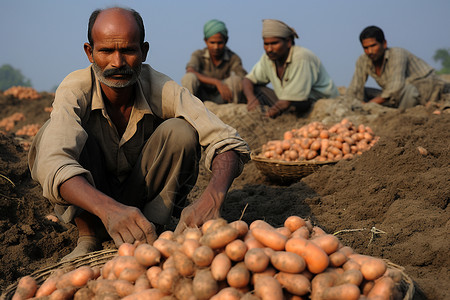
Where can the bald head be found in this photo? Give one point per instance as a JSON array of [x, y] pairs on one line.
[[116, 19]]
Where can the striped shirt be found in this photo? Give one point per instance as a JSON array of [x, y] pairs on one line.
[[399, 68]]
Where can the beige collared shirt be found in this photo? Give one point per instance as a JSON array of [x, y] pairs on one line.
[[304, 78], [79, 111]]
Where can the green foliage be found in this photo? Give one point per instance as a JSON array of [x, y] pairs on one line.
[[443, 55], [11, 77]]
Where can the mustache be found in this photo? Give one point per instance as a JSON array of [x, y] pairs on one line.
[[118, 71]]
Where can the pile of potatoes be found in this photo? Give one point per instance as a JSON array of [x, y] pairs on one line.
[[29, 130], [318, 142], [224, 260], [9, 122], [22, 92]]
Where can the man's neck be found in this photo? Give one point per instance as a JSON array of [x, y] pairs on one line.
[[118, 97]]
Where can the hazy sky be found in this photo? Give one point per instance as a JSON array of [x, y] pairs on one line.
[[44, 39]]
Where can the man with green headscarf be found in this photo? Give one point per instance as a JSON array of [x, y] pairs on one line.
[[215, 73], [297, 75]]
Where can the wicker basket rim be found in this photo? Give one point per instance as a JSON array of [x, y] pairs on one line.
[[255, 156]]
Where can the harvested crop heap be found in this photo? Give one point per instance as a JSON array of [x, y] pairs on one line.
[[316, 141], [233, 260], [22, 92]]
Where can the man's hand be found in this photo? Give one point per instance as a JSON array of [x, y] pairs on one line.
[[225, 167], [224, 91], [278, 108], [195, 214], [252, 104], [127, 224], [123, 223]]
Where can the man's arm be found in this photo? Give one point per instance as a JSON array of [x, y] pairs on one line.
[[123, 223], [225, 167], [247, 88], [355, 89], [224, 91]]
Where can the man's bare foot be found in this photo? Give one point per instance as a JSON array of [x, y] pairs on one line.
[[85, 245]]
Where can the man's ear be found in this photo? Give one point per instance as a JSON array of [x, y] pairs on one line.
[[88, 50], [385, 45], [144, 48]]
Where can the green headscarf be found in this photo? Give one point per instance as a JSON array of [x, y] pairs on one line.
[[214, 26]]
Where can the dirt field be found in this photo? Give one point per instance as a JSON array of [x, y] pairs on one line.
[[391, 187]]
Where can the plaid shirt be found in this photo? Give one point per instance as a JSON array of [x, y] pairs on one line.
[[399, 68]]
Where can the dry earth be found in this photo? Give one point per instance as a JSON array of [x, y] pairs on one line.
[[391, 187]]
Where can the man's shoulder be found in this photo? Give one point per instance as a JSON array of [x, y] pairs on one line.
[[301, 53], [231, 53], [79, 79], [152, 79]]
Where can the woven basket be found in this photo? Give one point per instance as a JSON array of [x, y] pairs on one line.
[[93, 259], [406, 284], [99, 258], [286, 171]]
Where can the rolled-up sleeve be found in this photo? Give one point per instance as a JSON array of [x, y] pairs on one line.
[[356, 88], [55, 149], [258, 74]]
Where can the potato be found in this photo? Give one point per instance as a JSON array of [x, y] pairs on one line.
[[220, 266], [296, 284], [268, 288], [203, 256], [184, 265], [316, 259], [345, 291], [49, 285], [256, 260], [288, 262], [373, 268], [294, 223], [147, 255], [166, 280], [236, 250], [328, 242], [269, 238], [26, 288], [204, 284], [238, 276]]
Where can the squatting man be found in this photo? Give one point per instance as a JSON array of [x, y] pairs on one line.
[[121, 149]]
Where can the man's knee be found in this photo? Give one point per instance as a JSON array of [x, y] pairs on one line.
[[191, 82], [408, 97], [179, 134]]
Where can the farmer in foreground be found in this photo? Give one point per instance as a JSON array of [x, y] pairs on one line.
[[121, 149], [215, 73], [405, 79], [297, 75]]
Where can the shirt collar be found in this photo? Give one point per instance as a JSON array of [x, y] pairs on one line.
[[140, 104], [226, 54], [385, 58]]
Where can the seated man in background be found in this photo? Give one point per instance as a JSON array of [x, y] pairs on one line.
[[121, 149], [297, 75], [405, 79], [215, 73]]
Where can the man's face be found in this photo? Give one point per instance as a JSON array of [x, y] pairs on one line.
[[216, 45], [277, 48], [374, 49], [117, 53]]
